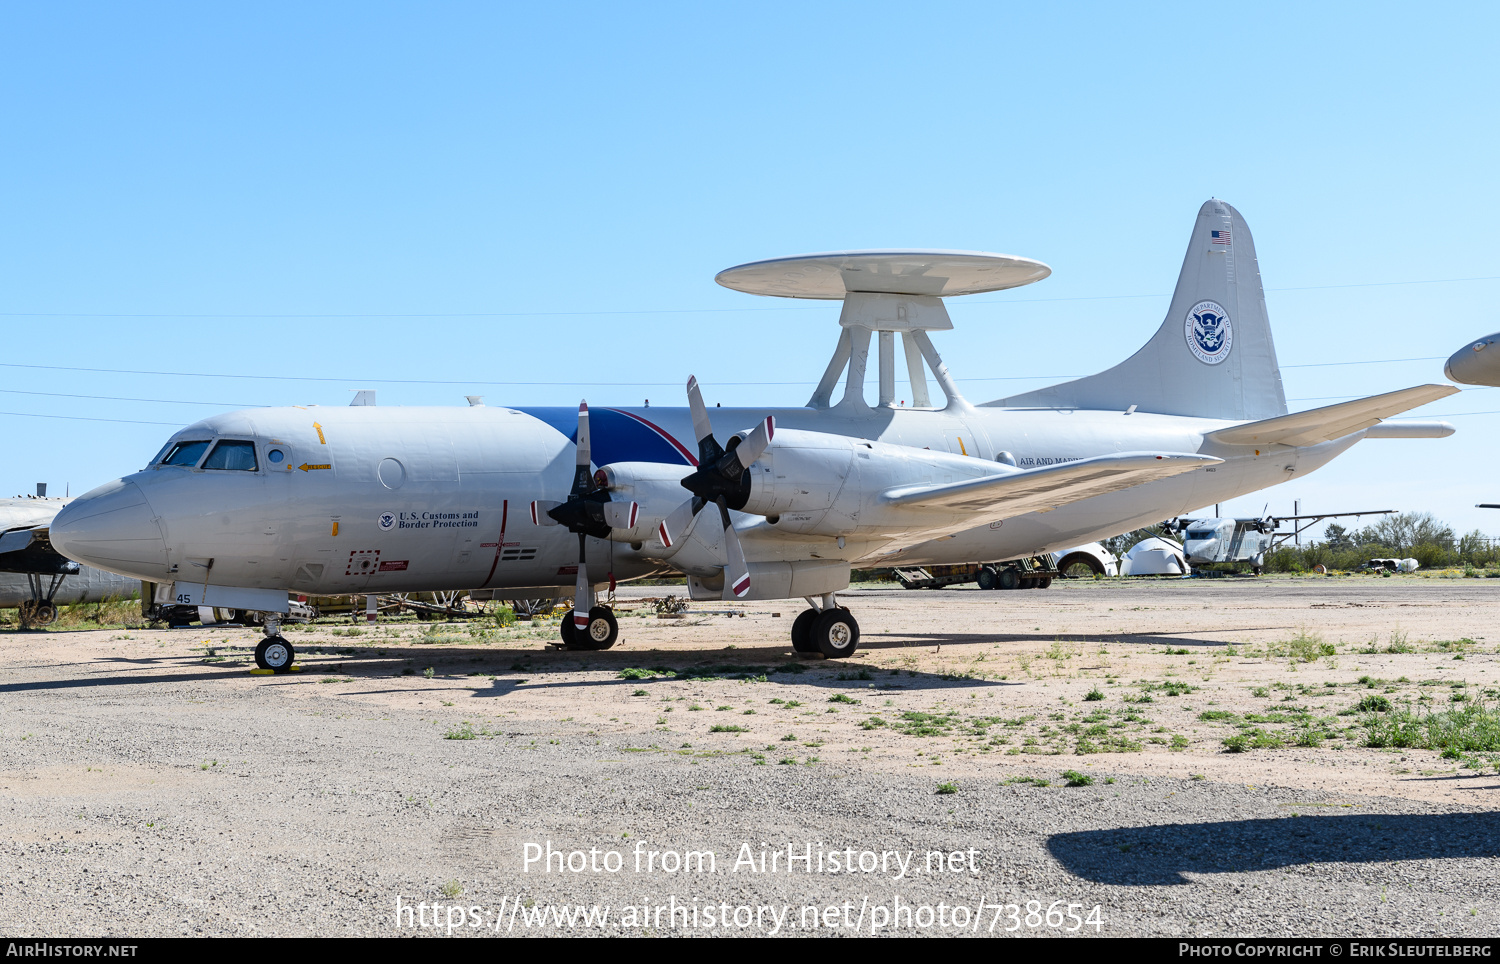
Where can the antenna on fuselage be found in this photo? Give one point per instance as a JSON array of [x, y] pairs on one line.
[[885, 292]]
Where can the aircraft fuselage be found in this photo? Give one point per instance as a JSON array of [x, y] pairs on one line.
[[368, 499]]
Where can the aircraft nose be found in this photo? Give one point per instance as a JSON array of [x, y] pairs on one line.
[[1477, 363], [112, 528]]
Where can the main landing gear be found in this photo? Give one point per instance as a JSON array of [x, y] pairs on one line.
[[274, 652], [826, 628], [40, 610], [600, 633]]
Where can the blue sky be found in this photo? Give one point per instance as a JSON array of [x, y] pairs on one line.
[[531, 204]]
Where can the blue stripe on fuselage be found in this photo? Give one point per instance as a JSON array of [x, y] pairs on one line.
[[614, 436]]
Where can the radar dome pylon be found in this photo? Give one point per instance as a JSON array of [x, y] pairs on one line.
[[885, 292]]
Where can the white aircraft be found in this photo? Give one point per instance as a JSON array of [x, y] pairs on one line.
[[1220, 540], [34, 578], [239, 509]]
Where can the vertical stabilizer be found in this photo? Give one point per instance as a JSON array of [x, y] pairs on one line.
[[1213, 356]]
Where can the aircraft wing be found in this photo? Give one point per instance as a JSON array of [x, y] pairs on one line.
[[30, 550], [1331, 421], [1046, 488], [17, 539]]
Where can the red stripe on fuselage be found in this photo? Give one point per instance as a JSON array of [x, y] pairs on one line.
[[499, 546]]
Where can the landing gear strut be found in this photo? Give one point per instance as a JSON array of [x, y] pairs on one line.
[[274, 652], [826, 628]]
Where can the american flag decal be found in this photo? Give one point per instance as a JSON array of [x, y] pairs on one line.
[[1219, 237]]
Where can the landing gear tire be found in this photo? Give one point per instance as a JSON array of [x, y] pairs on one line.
[[1044, 582], [1009, 579], [835, 633], [1028, 582], [802, 640], [987, 578], [45, 614], [276, 654], [602, 631]]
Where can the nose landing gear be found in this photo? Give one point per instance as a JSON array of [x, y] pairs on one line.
[[274, 652]]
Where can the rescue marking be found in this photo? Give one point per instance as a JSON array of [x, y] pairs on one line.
[[321, 439], [362, 562], [310, 468]]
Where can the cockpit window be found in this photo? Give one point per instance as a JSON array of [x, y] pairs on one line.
[[185, 453], [231, 455]]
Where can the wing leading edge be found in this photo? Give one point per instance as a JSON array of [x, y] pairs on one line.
[[1046, 488]]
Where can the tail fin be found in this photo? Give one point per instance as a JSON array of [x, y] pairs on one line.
[[1213, 356]]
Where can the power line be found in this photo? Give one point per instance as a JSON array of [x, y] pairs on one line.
[[584, 384], [118, 398], [1373, 361], [83, 418], [663, 311]]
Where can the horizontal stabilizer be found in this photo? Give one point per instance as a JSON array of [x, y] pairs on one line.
[[1331, 421], [1047, 488]]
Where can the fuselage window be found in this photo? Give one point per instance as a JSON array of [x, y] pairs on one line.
[[234, 456], [186, 453]]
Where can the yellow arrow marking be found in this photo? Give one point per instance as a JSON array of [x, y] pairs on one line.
[[308, 468], [321, 439]]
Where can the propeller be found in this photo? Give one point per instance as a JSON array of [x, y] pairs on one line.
[[722, 478], [587, 512]]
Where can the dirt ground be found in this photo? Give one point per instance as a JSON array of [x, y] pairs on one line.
[[1008, 656], [1239, 683]]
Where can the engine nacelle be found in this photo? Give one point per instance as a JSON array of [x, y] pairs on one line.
[[655, 486], [801, 473], [809, 482]]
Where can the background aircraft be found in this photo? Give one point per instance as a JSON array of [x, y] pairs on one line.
[[1477, 363], [240, 508], [1219, 540], [34, 578]]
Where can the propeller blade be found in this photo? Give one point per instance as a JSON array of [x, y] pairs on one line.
[[736, 573], [675, 528], [583, 478], [582, 591], [756, 443], [702, 429], [621, 515], [539, 510], [583, 433]]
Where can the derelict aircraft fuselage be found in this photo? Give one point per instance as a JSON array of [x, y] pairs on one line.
[[241, 508]]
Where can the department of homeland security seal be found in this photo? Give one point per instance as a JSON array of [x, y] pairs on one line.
[[387, 520], [1208, 332]]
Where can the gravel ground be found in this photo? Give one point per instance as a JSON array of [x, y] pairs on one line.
[[150, 786]]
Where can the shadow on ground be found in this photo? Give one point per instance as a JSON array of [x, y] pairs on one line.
[[1163, 854]]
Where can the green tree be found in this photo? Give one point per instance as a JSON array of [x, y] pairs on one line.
[[1401, 534]]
